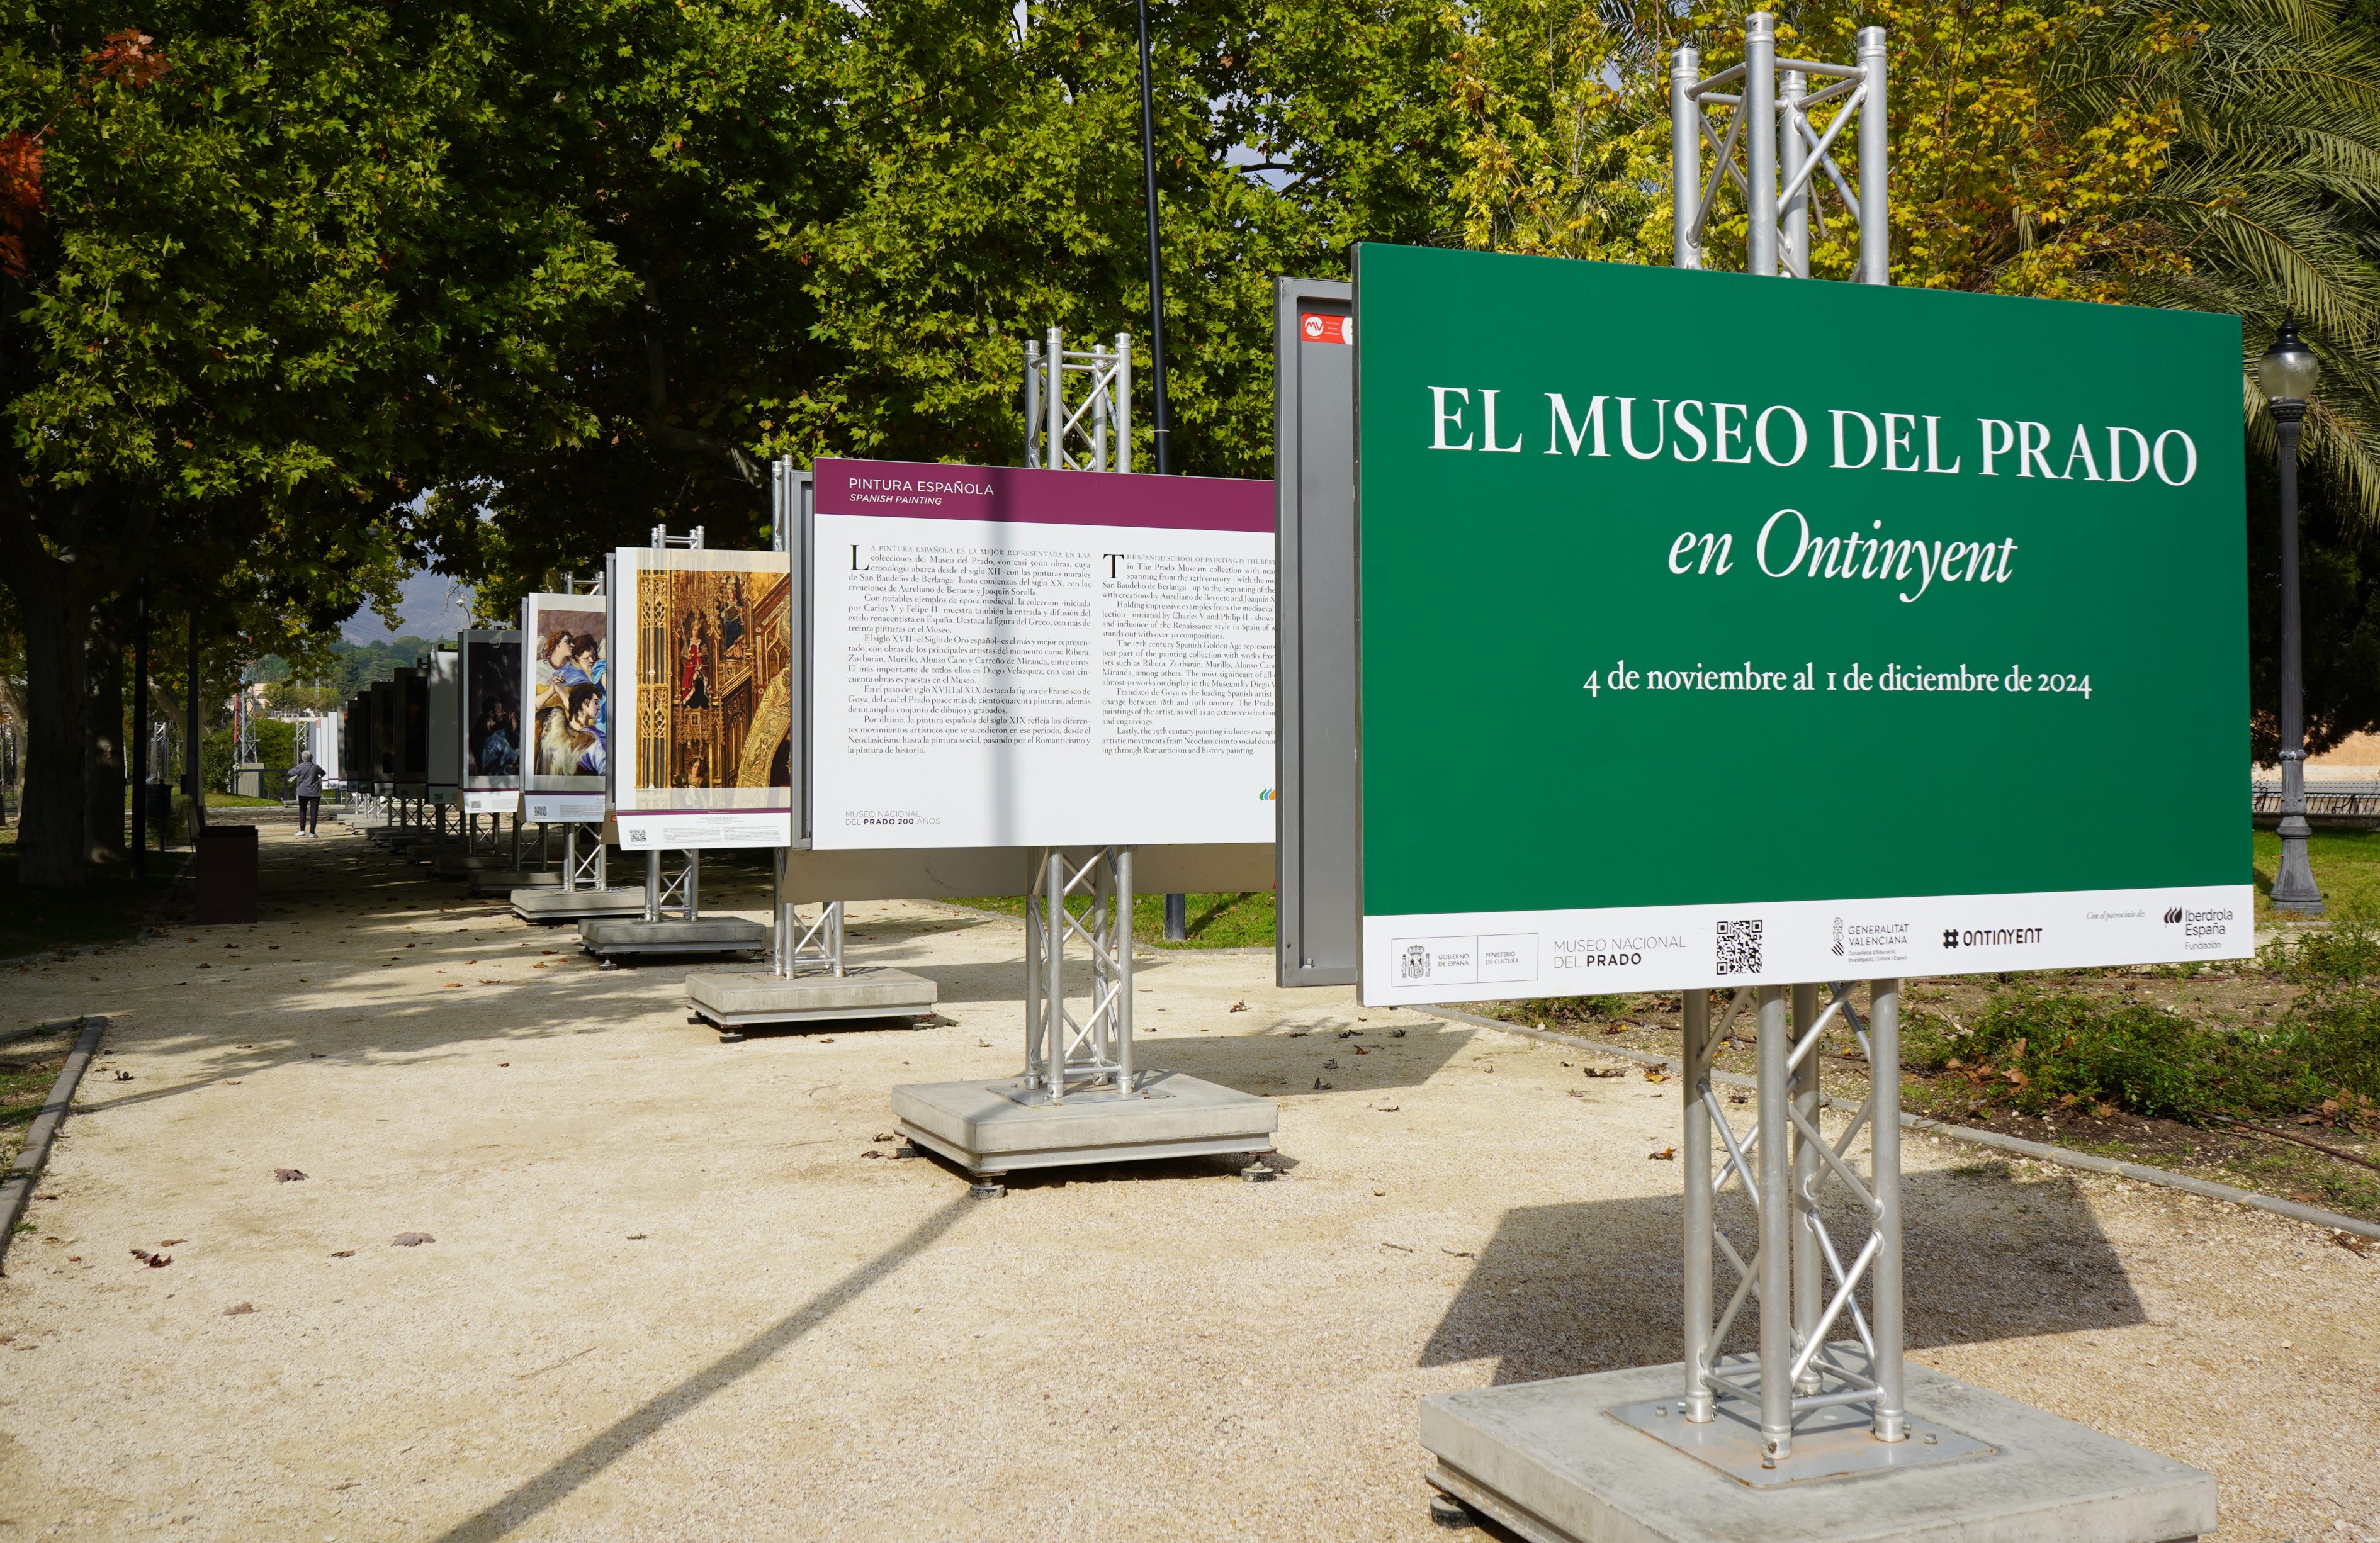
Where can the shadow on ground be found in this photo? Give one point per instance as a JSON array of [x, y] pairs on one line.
[[1560, 1291]]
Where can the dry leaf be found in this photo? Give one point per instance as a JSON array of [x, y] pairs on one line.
[[410, 1239], [289, 1176], [343, 1253], [1606, 1071], [2352, 1242], [1655, 1074], [237, 1309], [1667, 1154], [154, 1261]]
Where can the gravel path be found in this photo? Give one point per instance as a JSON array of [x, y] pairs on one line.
[[671, 1295]]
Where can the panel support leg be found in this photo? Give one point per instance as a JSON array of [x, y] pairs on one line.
[[1698, 1141]]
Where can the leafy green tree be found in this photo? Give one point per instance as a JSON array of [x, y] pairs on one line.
[[274, 270]]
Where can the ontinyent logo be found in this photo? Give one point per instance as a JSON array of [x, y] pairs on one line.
[[2173, 917], [1989, 937]]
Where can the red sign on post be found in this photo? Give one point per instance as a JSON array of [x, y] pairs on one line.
[[1314, 327]]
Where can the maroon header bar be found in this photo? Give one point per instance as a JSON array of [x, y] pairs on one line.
[[1024, 495]]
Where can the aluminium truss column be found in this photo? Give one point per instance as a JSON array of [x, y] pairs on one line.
[[1890, 1420], [1758, 118], [1698, 1208], [1065, 1059], [1774, 1263], [1875, 163], [1809, 1267], [1686, 158], [1792, 152]]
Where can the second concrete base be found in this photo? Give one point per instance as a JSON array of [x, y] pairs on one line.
[[998, 1127], [1554, 1462], [746, 998], [503, 881], [704, 934], [553, 906]]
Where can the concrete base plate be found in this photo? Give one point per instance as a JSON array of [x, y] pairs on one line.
[[1556, 1462], [503, 881], [996, 1128], [742, 998], [551, 907], [704, 934]]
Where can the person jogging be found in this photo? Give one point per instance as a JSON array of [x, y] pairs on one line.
[[306, 778]]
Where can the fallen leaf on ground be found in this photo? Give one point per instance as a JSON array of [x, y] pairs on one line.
[[169, 1242], [2351, 1243], [343, 1253], [1655, 1074], [289, 1176], [636, 1236], [871, 1152], [1606, 1071], [880, 1138], [410, 1240], [1320, 1086], [154, 1261], [238, 1308], [123, 1077], [1397, 1247], [1239, 1006], [1667, 1154], [1330, 1065]]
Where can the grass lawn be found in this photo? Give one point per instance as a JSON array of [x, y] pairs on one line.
[[2346, 864], [28, 1067], [1216, 921], [109, 906]]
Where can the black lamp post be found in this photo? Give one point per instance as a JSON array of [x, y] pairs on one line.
[[2287, 372]]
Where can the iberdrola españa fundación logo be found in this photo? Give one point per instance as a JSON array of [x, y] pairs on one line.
[[1265, 797]]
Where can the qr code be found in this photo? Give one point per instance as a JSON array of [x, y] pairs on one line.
[[1739, 947]]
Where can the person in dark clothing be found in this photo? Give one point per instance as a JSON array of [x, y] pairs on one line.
[[306, 778]]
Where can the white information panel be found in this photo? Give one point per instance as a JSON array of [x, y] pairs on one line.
[[1007, 657]]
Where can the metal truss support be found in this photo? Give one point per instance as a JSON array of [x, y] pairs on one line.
[[583, 858], [1804, 1280], [798, 943], [1090, 1056], [682, 890], [1776, 152], [1092, 432]]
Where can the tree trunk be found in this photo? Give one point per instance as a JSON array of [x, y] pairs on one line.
[[103, 727], [49, 840]]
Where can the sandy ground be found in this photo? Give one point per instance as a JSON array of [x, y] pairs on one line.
[[675, 1294]]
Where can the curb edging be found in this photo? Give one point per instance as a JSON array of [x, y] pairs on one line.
[[2040, 1151], [43, 1134]]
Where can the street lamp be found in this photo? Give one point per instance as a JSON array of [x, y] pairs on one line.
[[2287, 373]]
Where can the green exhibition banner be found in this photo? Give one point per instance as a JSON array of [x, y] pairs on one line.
[[1727, 631]]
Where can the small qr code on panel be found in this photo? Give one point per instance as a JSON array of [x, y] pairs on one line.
[[1739, 947]]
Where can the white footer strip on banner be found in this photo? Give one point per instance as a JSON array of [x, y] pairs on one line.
[[1507, 956], [681, 829]]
